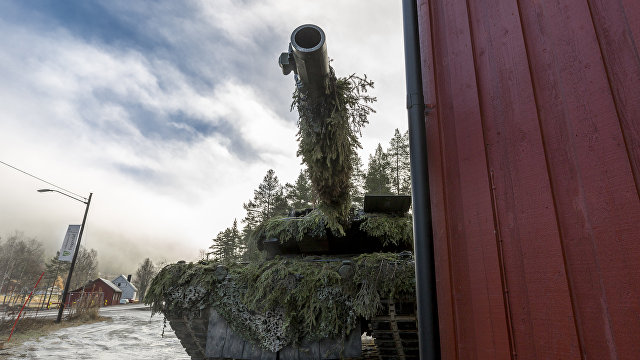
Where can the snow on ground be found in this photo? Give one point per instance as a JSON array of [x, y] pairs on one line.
[[132, 334]]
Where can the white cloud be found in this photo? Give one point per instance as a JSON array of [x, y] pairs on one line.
[[106, 118]]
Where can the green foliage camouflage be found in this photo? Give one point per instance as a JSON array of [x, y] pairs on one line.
[[314, 224], [279, 302], [328, 130], [392, 230]]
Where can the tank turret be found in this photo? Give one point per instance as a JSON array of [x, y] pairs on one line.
[[335, 226]]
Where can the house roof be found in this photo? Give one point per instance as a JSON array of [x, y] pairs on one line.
[[107, 282], [124, 279], [111, 285]]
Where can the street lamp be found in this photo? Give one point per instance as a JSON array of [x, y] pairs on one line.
[[75, 254]]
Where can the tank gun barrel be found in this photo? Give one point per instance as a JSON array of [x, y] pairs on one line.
[[307, 58]]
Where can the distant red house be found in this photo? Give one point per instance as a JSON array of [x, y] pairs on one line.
[[110, 293]]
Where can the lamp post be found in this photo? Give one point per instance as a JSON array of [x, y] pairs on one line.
[[75, 254]]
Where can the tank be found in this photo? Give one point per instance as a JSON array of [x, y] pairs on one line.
[[330, 273]]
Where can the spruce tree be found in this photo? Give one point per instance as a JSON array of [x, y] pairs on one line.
[[227, 245], [54, 273], [299, 195], [250, 250], [236, 236], [399, 166], [268, 201], [358, 177], [377, 181]]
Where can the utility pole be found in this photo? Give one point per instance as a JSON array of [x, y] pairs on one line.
[[75, 254]]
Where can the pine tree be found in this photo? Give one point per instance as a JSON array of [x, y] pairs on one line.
[[268, 201], [250, 248], [299, 195], [227, 244], [399, 166], [236, 236], [358, 177], [55, 271], [377, 181]]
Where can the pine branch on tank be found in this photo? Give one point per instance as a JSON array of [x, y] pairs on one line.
[[328, 131]]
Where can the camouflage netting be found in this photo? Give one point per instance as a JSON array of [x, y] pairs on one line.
[[279, 302], [329, 126], [390, 229]]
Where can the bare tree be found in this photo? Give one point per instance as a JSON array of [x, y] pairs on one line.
[[86, 268], [144, 274], [21, 261]]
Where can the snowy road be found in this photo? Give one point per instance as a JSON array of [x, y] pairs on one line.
[[132, 334]]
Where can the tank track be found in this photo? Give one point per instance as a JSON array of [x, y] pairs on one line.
[[192, 332], [394, 331]]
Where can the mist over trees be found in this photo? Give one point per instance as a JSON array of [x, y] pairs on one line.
[[22, 260], [146, 271], [388, 172], [86, 269]]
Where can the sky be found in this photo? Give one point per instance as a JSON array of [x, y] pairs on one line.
[[169, 112]]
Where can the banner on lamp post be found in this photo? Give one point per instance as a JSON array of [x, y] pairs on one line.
[[69, 244]]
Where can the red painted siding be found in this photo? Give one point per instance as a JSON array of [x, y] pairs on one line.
[[534, 164], [109, 296]]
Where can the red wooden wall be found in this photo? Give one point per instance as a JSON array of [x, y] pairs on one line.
[[534, 164], [98, 286]]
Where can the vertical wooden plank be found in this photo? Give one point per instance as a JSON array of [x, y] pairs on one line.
[[538, 289], [480, 322], [446, 313], [615, 28], [632, 19], [591, 168], [603, 110], [566, 180]]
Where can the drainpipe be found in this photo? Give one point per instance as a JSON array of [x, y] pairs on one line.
[[428, 332]]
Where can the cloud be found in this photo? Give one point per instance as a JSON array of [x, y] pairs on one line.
[[169, 112]]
